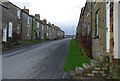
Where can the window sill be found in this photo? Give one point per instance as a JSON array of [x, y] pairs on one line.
[[18, 18], [96, 37]]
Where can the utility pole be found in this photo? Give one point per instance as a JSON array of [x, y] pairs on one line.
[[73, 31]]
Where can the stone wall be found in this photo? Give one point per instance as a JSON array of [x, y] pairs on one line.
[[26, 28], [10, 15], [87, 19], [0, 25], [99, 43]]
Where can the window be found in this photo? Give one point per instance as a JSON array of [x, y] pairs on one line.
[[42, 27], [42, 35], [88, 29], [28, 20], [10, 29], [28, 31], [18, 14], [38, 33], [47, 27], [108, 1], [18, 28], [47, 34], [87, 14], [37, 24], [95, 1], [5, 34], [96, 24]]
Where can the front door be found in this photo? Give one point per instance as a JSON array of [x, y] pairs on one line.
[[34, 35], [44, 36], [5, 34], [108, 27]]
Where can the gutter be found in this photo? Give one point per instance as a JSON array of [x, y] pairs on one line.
[[4, 6]]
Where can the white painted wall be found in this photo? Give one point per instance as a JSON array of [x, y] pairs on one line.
[[116, 30], [108, 27]]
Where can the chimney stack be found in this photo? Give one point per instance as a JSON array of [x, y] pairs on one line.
[[25, 10], [24, 7], [37, 16], [45, 21]]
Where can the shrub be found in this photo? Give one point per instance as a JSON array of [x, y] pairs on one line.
[[86, 43]]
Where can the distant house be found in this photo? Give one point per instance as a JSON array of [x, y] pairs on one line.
[[38, 26], [45, 32]]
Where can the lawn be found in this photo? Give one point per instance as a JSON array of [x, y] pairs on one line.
[[75, 57]]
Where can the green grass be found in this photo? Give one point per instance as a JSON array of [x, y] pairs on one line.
[[75, 57]]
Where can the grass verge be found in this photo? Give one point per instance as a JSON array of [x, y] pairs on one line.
[[19, 43], [75, 57]]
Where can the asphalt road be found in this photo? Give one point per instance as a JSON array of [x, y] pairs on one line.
[[40, 61]]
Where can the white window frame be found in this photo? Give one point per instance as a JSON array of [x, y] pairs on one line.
[[28, 31], [18, 13], [42, 35], [18, 28], [38, 25], [10, 29], [42, 27], [96, 24], [47, 27], [38, 32], [28, 20], [47, 34], [5, 34]]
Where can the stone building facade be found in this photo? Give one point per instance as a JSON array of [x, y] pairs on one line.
[[11, 21], [105, 35], [19, 24], [98, 29], [79, 27], [86, 22], [26, 26]]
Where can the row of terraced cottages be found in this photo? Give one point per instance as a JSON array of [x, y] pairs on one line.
[[19, 24], [100, 21]]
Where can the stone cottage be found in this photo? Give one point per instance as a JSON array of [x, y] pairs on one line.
[[86, 23], [26, 24], [105, 34], [105, 41], [18, 24], [38, 26], [44, 29], [99, 29], [11, 22]]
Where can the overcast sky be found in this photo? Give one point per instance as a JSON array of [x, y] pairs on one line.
[[63, 13]]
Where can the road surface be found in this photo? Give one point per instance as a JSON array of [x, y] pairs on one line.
[[41, 61]]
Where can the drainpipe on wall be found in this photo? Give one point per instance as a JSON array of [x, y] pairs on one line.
[[21, 25], [91, 33]]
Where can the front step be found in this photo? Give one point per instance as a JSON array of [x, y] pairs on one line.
[[80, 71], [90, 75], [95, 63], [87, 66]]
